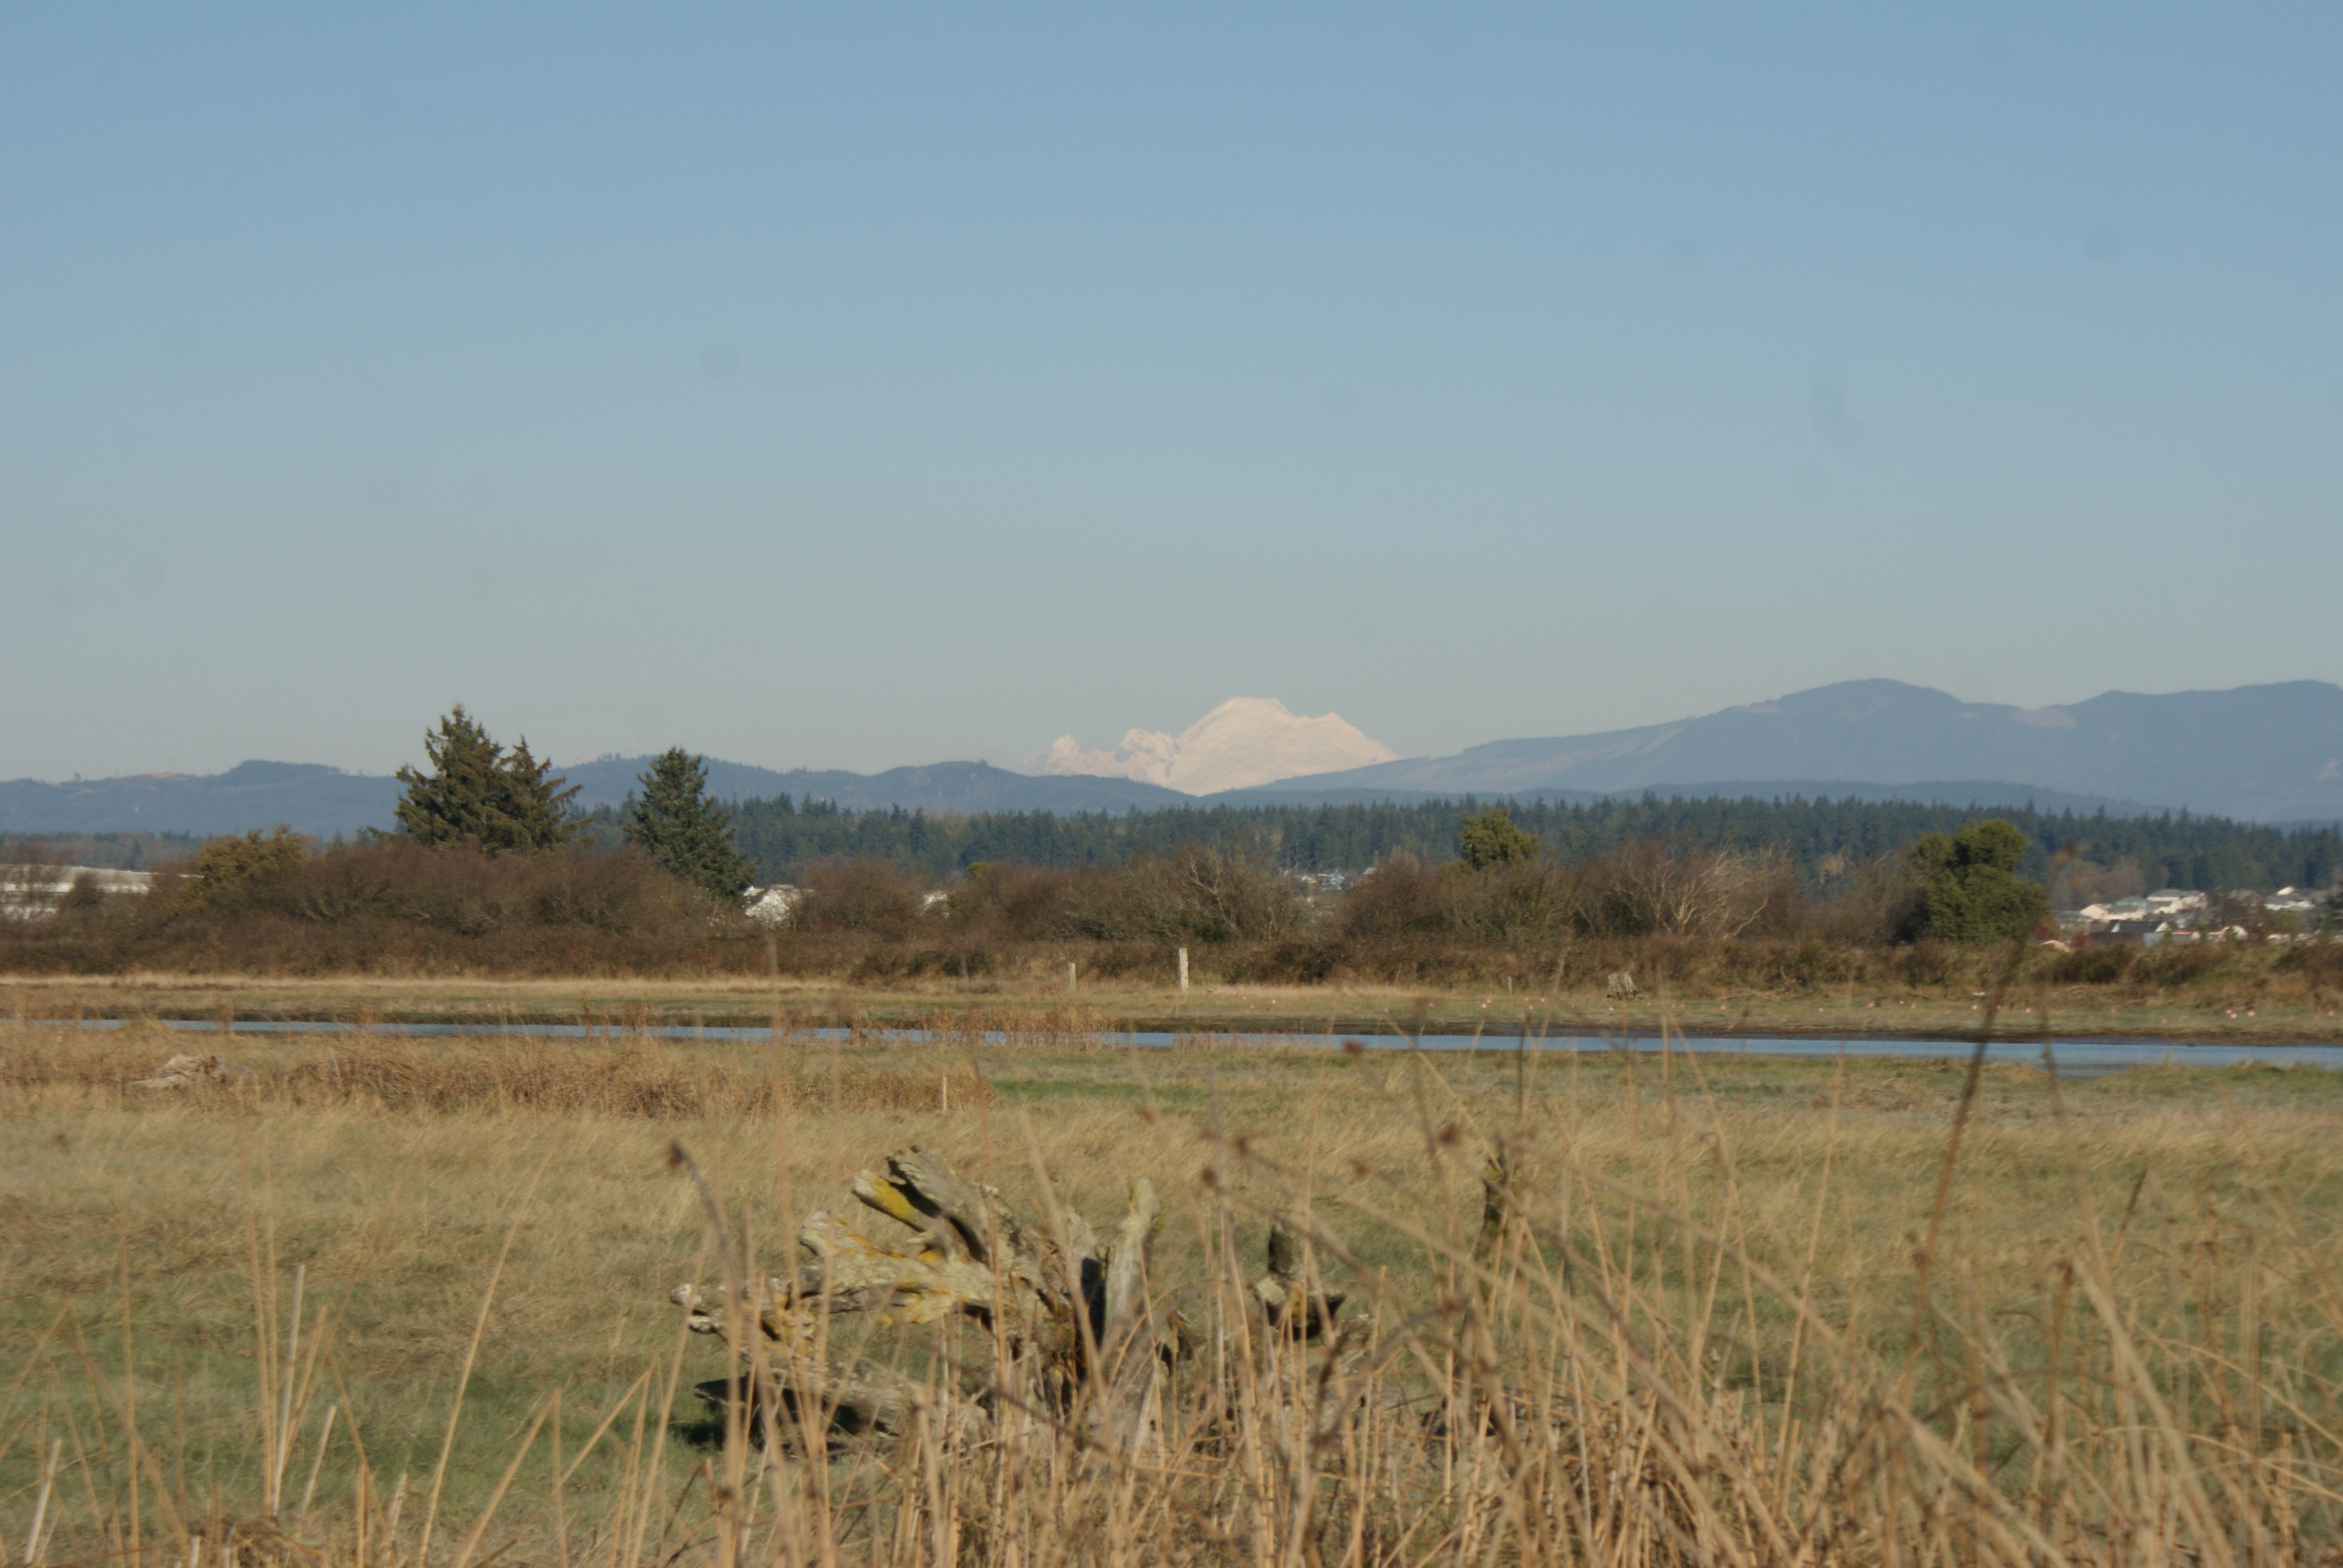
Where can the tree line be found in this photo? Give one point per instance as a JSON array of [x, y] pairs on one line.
[[1825, 840], [492, 864], [482, 794], [477, 793]]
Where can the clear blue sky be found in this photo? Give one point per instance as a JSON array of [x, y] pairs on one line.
[[861, 385]]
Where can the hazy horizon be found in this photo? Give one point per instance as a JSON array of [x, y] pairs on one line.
[[1030, 767], [866, 389]]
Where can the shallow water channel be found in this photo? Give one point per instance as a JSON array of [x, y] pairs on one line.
[[2070, 1056]]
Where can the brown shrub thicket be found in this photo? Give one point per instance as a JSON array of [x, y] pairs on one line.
[[275, 905], [1013, 903], [868, 896], [1192, 895], [1195, 895], [1725, 920], [1643, 890]]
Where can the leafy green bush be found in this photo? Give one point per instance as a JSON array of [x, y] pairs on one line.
[[1493, 839], [1970, 886]]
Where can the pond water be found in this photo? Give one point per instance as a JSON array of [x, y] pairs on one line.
[[2079, 1056]]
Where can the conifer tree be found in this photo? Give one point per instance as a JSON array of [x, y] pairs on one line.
[[1970, 884], [1494, 839], [681, 827], [476, 795], [535, 803]]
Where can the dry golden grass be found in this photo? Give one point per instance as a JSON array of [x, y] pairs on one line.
[[629, 1076], [1739, 1311]]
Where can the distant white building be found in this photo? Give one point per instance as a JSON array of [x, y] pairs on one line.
[[33, 892], [772, 906]]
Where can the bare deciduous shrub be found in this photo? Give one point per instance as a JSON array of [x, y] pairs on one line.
[[2092, 965], [2172, 964], [1645, 890], [858, 896], [1520, 901], [1401, 896], [1720, 894], [1004, 902], [1196, 894]]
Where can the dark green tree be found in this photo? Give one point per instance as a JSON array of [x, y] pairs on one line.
[[1494, 839], [538, 808], [476, 794], [1970, 885], [676, 822]]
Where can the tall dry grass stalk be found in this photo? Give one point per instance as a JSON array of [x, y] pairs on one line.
[[1566, 1342]]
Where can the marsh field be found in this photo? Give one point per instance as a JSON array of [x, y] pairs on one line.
[[2255, 1004], [374, 1300]]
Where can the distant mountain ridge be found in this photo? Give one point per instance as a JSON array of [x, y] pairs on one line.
[[2257, 753], [304, 795], [324, 801], [936, 786], [1925, 792]]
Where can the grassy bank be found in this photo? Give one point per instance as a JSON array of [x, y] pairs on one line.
[[1776, 1310], [2251, 1006]]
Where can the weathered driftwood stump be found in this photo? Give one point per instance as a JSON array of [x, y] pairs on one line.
[[1072, 1321], [185, 1071], [1072, 1313], [1289, 1309]]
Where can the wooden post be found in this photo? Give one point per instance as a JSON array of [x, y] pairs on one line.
[[1183, 972]]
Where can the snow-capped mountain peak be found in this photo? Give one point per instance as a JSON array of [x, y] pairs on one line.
[[1244, 742]]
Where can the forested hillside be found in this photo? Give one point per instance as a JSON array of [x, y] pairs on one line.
[[1826, 838]]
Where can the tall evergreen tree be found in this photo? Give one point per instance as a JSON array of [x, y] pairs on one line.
[[1973, 892], [681, 827], [475, 794], [534, 802]]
